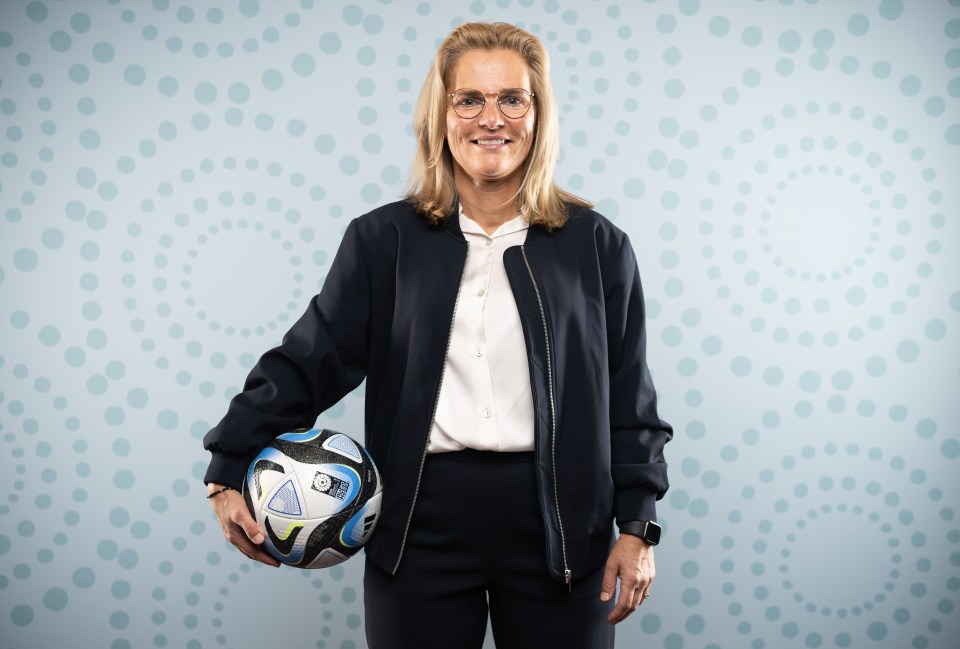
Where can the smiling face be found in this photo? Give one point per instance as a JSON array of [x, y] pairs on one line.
[[490, 149]]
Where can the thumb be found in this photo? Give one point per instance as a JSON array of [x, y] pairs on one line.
[[609, 584], [249, 526], [253, 532]]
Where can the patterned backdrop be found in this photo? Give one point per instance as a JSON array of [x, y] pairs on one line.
[[174, 181]]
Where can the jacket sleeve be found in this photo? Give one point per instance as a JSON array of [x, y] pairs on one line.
[[638, 435], [322, 358]]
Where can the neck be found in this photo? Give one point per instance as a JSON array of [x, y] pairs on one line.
[[490, 205]]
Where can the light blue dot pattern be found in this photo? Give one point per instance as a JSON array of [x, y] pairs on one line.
[[176, 181]]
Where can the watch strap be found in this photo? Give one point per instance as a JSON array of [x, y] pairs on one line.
[[641, 529]]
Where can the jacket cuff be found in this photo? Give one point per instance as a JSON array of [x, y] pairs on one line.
[[227, 470], [636, 505]]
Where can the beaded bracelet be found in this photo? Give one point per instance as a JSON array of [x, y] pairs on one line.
[[219, 491]]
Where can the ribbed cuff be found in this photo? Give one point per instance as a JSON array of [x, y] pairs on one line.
[[227, 470], [636, 505]]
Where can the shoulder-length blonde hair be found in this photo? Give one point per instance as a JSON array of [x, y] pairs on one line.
[[432, 189]]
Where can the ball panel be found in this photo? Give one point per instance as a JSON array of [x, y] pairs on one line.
[[327, 489], [285, 500], [267, 471], [358, 529], [327, 558], [283, 539], [343, 445]]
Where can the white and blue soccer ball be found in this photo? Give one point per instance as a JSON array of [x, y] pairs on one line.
[[316, 495]]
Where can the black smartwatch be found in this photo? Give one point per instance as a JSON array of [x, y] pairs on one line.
[[649, 531]]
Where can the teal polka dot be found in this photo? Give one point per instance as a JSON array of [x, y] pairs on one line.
[[49, 336], [52, 238], [935, 329], [809, 381], [952, 134], [37, 12], [910, 85], [83, 577], [373, 24], [876, 366], [908, 351], [272, 79], [55, 599], [877, 631], [823, 39], [856, 296], [25, 259], [89, 139], [168, 419], [137, 398], [752, 36], [789, 41], [773, 376], [842, 380], [330, 43], [249, 8], [891, 9], [60, 41], [719, 26], [303, 64], [366, 55], [134, 75], [123, 479], [849, 64], [103, 52], [324, 144], [858, 24], [634, 188], [666, 23], [950, 449], [21, 614]]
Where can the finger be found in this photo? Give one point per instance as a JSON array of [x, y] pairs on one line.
[[240, 516], [624, 602], [251, 550], [609, 584]]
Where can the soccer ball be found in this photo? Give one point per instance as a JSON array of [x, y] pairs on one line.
[[316, 496]]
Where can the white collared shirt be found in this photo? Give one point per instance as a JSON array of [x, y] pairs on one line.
[[485, 401]]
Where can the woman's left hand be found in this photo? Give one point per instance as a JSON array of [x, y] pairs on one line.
[[631, 560]]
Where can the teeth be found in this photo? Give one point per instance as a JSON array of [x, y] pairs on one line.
[[491, 141]]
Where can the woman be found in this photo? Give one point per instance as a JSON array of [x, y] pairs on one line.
[[499, 323]]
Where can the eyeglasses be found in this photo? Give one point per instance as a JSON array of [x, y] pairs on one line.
[[513, 102]]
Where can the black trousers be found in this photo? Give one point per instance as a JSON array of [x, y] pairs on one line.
[[476, 545]]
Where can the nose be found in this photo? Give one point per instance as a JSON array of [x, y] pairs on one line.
[[490, 116]]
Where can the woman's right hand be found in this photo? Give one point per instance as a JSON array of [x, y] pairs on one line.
[[238, 526]]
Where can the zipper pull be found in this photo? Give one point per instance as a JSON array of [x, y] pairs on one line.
[[568, 578]]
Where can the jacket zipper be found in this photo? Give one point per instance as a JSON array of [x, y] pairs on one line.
[[567, 573], [433, 417]]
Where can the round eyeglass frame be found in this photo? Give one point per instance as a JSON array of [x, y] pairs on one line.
[[453, 105]]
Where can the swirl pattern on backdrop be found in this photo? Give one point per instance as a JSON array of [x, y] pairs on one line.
[[175, 180]]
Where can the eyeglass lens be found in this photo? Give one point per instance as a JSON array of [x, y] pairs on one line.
[[513, 102]]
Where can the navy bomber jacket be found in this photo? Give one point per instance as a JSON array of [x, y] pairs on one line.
[[385, 313]]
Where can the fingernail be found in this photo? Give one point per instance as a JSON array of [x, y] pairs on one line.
[[604, 597], [258, 539]]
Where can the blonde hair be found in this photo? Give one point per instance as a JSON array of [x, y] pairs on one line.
[[432, 189]]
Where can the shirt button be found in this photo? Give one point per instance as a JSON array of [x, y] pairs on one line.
[[489, 242], [478, 353], [481, 293], [487, 414]]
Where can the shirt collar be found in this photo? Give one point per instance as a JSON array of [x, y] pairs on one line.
[[516, 224]]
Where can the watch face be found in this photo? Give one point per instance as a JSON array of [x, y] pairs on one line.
[[652, 534]]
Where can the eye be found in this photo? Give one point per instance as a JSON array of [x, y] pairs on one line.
[[468, 100], [514, 100]]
